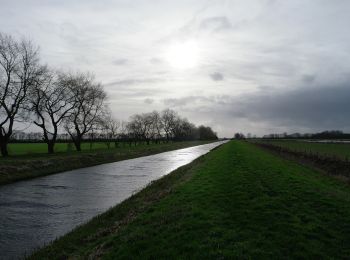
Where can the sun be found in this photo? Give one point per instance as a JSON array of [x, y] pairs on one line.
[[182, 55]]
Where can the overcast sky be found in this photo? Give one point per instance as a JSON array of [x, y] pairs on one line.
[[258, 66]]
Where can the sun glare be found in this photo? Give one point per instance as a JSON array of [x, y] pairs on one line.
[[182, 55]]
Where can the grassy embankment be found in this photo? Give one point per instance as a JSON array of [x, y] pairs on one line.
[[337, 150], [238, 201], [35, 164]]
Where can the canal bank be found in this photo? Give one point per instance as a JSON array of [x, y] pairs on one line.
[[237, 201]]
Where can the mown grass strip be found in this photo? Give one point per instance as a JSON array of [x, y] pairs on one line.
[[238, 201]]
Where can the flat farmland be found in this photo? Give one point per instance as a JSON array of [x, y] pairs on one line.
[[37, 148], [338, 150]]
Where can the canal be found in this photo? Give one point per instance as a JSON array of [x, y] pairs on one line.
[[34, 212]]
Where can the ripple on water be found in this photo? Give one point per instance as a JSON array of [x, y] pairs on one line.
[[47, 186]]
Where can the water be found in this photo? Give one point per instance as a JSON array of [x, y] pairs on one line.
[[34, 212]]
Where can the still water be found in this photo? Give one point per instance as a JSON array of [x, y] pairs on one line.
[[34, 212]]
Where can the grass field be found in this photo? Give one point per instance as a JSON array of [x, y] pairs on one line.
[[339, 150], [25, 166], [238, 201], [36, 148]]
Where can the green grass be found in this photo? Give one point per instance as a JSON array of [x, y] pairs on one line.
[[26, 166], [37, 148], [238, 201], [341, 151]]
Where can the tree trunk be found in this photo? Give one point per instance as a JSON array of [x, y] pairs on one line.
[[4, 151], [77, 143], [50, 147]]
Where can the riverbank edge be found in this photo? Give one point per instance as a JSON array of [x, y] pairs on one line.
[[91, 234], [39, 167]]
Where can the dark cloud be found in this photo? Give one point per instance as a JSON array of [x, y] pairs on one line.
[[307, 78], [119, 62], [215, 24], [156, 60], [184, 101], [148, 101], [134, 88], [176, 102], [314, 108], [130, 93], [134, 92], [128, 82], [317, 109], [196, 101], [217, 76]]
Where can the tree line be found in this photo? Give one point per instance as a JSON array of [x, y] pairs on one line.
[[164, 126], [332, 134], [75, 103]]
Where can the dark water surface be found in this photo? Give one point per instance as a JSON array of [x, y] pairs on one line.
[[34, 212]]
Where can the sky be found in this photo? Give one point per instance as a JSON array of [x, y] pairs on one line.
[[252, 66]]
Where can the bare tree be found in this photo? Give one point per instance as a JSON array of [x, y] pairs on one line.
[[89, 106], [157, 127], [206, 133], [110, 129], [184, 130], [19, 69], [51, 101], [145, 126], [148, 126], [136, 128], [124, 135], [169, 118]]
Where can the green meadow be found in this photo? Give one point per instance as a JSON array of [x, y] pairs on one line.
[[338, 150], [41, 148], [238, 201]]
